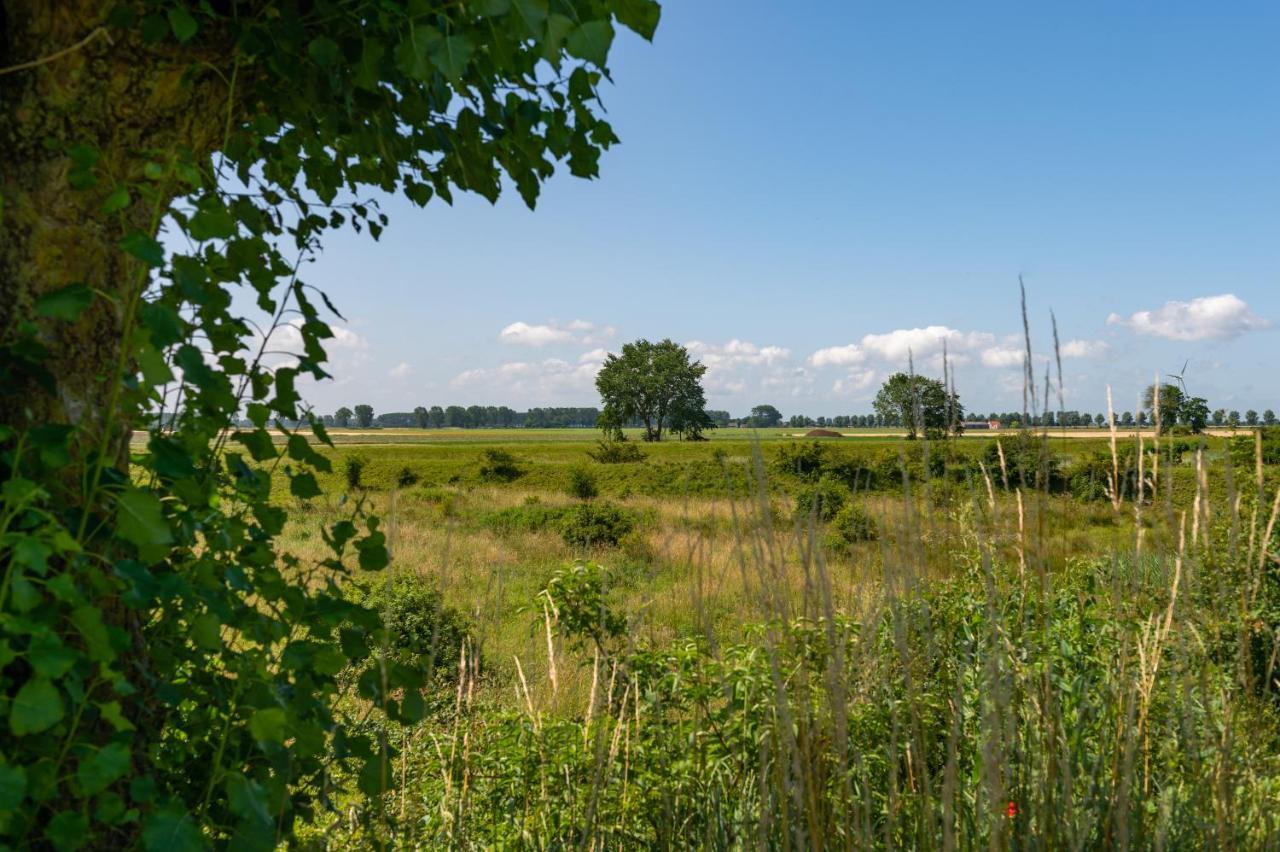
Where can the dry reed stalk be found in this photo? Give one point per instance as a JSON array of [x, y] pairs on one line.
[[551, 649], [1115, 456], [528, 699]]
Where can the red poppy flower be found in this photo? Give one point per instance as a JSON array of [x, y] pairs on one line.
[[1012, 810]]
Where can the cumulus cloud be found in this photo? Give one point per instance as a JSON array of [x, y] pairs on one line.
[[576, 331], [925, 345], [401, 370], [1003, 355], [855, 382], [736, 353], [523, 334], [740, 365], [1204, 318], [537, 380], [1084, 349], [838, 356]]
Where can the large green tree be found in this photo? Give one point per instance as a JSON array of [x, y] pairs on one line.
[[765, 417], [919, 405], [1164, 402], [170, 679], [657, 384]]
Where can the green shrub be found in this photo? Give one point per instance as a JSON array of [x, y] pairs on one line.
[[353, 468], [1028, 463], [499, 466], [406, 478], [529, 518], [804, 461], [1243, 448], [582, 484], [595, 524], [578, 595], [420, 631], [822, 499], [852, 524], [616, 451]]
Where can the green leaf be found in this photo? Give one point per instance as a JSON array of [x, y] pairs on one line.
[[110, 711], [36, 707], [591, 42], [88, 620], [116, 201], [639, 16], [65, 303], [183, 25], [206, 630], [68, 830], [98, 771], [171, 829], [144, 248], [304, 485], [213, 222], [140, 521], [49, 657], [451, 55], [324, 51], [267, 725], [13, 787], [258, 443]]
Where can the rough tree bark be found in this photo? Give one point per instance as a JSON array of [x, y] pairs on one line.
[[127, 100]]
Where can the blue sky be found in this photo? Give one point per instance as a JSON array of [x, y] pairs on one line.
[[806, 190]]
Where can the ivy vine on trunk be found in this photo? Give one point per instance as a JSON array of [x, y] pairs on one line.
[[170, 677]]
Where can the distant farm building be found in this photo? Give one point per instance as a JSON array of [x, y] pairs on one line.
[[980, 425], [822, 433]]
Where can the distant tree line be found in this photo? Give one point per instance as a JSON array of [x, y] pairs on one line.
[[466, 417]]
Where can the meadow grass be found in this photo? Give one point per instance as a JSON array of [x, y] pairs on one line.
[[1048, 666]]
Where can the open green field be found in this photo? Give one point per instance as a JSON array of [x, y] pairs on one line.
[[890, 631]]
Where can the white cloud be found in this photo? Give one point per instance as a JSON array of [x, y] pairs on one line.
[[1003, 356], [595, 356], [535, 381], [401, 370], [838, 356], [575, 331], [925, 345], [523, 334], [1203, 318], [922, 342], [736, 353], [855, 382], [1084, 349]]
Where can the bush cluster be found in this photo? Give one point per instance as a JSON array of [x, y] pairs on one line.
[[596, 524]]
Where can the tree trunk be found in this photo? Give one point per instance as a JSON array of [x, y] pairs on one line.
[[127, 101]]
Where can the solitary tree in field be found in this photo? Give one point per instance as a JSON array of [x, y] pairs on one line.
[[765, 417], [1251, 417], [919, 405], [1268, 418], [421, 417], [1233, 419], [364, 416], [1169, 399], [342, 417], [1194, 412], [1219, 417], [657, 384]]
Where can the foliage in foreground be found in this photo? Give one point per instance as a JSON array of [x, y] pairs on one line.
[[1085, 709], [169, 677]]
